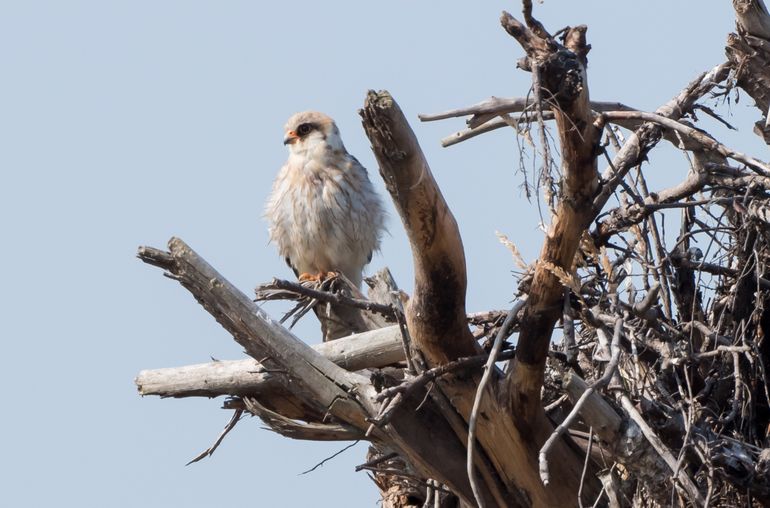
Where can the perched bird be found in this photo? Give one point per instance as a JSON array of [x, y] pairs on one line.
[[324, 214]]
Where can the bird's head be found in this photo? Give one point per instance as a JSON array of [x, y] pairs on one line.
[[307, 131]]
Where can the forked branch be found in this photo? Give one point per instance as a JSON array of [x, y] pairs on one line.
[[561, 73]]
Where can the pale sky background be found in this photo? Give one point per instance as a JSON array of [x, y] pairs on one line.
[[124, 123]]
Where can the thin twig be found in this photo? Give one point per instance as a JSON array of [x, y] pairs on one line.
[[327, 459], [211, 449], [585, 466]]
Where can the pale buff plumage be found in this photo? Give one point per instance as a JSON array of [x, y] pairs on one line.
[[324, 214]]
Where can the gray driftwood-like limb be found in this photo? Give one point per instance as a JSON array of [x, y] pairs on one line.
[[595, 411], [371, 349], [213, 379], [317, 380], [500, 105]]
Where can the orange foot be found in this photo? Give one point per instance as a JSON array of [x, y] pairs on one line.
[[316, 277]]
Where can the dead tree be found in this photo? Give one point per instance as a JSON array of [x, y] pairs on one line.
[[655, 390]]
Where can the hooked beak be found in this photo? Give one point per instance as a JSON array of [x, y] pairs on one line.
[[290, 138]]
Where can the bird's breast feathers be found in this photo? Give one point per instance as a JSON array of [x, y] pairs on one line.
[[325, 214]]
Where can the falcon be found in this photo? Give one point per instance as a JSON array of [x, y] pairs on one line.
[[323, 212]]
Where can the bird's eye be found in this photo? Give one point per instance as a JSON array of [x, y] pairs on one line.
[[304, 129]]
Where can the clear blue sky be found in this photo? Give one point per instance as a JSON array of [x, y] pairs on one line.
[[124, 123]]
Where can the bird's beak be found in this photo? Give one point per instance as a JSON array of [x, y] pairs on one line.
[[290, 138]]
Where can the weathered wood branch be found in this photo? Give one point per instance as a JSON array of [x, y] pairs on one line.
[[318, 381], [500, 105], [595, 411], [375, 348]]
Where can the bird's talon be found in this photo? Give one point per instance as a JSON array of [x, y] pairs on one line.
[[318, 278], [310, 277]]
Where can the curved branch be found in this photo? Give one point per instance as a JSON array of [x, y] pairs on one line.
[[287, 427], [436, 312]]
